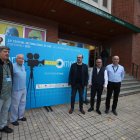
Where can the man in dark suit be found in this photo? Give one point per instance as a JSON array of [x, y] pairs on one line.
[[78, 79]]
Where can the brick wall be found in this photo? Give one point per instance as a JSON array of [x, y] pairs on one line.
[[121, 46], [129, 10], [123, 9], [136, 37], [137, 13], [136, 51]]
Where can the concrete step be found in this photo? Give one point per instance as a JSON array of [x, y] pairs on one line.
[[129, 79], [127, 87], [130, 82], [122, 93], [124, 89]]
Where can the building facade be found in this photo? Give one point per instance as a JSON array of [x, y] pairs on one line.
[[93, 24]]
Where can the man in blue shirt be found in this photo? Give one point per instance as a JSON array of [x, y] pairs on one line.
[[115, 76], [19, 91]]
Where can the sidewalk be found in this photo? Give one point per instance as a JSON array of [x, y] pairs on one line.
[[60, 125]]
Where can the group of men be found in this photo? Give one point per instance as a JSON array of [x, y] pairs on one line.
[[102, 78], [12, 90], [13, 86]]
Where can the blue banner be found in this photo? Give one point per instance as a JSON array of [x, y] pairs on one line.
[[47, 66]]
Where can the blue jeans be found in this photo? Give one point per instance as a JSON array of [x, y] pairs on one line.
[[4, 108]]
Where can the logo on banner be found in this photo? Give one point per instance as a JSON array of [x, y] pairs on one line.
[[59, 63], [34, 62]]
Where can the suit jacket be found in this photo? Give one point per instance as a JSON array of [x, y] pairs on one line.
[[73, 73]]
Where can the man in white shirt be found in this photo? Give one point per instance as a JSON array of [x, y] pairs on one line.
[[115, 76], [98, 82], [19, 91]]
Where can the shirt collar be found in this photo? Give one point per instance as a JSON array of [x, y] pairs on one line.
[[115, 65]]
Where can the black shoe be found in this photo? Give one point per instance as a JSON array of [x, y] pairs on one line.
[[90, 109], [70, 111], [99, 112], [15, 123], [114, 112], [6, 129], [22, 119], [106, 111], [82, 111]]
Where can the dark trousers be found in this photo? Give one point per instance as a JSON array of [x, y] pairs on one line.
[[96, 89], [115, 89], [80, 89]]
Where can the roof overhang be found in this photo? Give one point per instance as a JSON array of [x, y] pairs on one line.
[[103, 14], [74, 17]]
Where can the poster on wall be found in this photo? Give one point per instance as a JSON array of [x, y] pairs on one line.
[[2, 40], [33, 33], [47, 66], [11, 29]]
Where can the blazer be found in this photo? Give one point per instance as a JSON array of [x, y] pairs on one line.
[[73, 72]]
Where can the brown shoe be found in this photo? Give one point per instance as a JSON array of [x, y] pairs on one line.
[[82, 111], [70, 111]]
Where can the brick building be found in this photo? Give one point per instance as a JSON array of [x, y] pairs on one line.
[[130, 12], [96, 24]]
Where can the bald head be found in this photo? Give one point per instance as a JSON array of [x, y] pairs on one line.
[[115, 60], [20, 59]]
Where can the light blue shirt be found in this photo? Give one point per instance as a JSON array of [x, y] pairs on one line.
[[19, 77], [115, 73]]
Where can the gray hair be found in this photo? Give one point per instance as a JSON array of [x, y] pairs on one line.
[[4, 47], [19, 55]]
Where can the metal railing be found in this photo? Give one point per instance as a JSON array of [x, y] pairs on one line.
[[135, 70]]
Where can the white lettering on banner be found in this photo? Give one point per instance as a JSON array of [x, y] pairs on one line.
[[54, 73], [68, 63], [45, 86], [12, 59]]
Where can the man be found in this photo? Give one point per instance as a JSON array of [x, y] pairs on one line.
[[19, 91], [6, 76], [104, 56], [78, 79], [99, 82], [115, 76]]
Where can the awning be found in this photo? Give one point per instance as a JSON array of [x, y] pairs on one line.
[[103, 14]]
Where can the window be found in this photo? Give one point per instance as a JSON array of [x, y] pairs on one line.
[[105, 3], [95, 1]]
